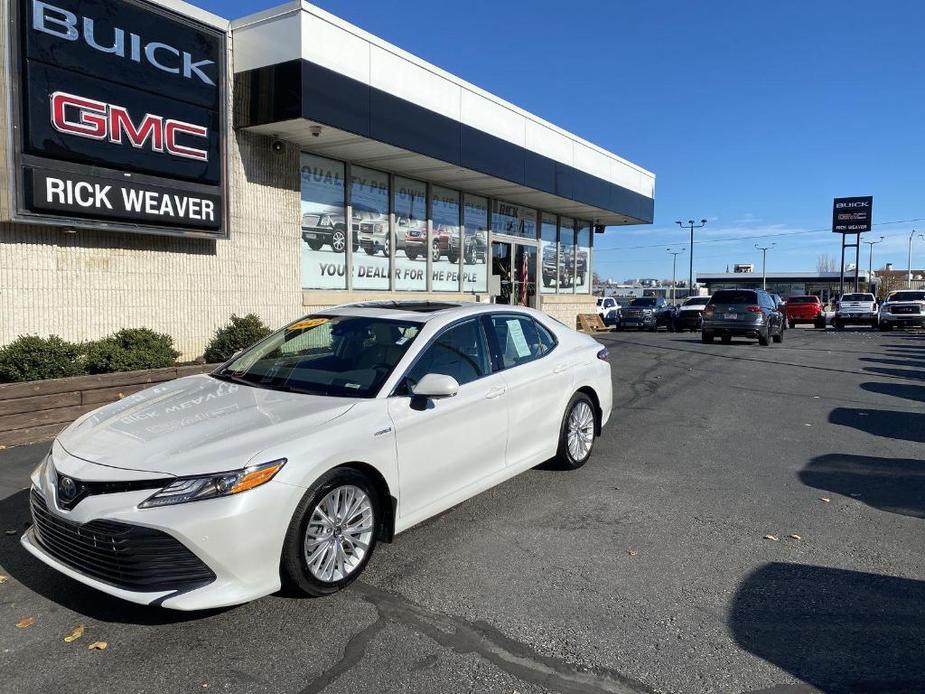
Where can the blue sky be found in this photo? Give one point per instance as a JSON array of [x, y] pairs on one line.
[[753, 115]]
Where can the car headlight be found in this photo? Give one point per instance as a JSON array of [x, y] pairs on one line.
[[185, 489]]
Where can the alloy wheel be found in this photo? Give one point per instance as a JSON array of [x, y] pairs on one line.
[[338, 241], [580, 431], [339, 533]]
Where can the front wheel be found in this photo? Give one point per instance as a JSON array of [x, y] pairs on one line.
[[332, 533], [338, 241], [576, 436], [706, 338], [886, 327]]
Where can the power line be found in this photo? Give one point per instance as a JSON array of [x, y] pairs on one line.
[[747, 238]]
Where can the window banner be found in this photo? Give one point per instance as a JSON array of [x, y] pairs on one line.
[[323, 223]]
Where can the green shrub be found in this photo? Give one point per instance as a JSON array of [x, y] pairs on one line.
[[130, 349], [32, 358], [236, 335]]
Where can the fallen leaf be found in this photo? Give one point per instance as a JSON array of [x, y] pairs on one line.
[[98, 646], [774, 538], [25, 622], [794, 536], [632, 552], [3, 579], [824, 499], [74, 633]]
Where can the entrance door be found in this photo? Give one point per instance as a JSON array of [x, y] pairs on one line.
[[515, 263]]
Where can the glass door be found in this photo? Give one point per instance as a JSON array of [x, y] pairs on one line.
[[501, 266], [524, 290]]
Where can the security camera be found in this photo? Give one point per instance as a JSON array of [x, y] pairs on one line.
[[315, 130], [278, 147]]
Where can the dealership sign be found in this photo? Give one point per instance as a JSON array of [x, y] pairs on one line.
[[121, 109], [852, 215]]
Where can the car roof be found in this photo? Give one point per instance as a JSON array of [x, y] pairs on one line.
[[423, 311]]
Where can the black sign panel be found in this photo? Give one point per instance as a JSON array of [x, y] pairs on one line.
[[107, 198], [123, 102], [852, 215]]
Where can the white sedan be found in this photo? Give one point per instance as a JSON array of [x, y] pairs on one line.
[[289, 462]]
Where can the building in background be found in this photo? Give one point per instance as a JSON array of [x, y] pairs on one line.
[[276, 164], [825, 285]]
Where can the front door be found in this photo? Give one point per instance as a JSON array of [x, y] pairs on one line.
[[515, 264], [448, 444], [501, 266]]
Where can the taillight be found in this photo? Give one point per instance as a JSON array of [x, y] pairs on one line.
[[753, 309], [603, 354]]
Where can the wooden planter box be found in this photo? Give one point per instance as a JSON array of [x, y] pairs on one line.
[[34, 411]]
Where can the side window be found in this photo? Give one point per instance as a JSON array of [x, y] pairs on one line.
[[520, 340], [547, 341], [459, 352]]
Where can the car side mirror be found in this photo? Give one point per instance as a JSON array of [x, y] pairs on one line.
[[435, 386]]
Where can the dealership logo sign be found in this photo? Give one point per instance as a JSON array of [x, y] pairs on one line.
[[97, 120], [66, 25], [852, 215]]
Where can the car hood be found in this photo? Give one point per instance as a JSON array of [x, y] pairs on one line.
[[195, 425]]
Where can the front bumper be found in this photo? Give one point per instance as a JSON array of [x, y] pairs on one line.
[[856, 318], [902, 319], [239, 538], [637, 320]]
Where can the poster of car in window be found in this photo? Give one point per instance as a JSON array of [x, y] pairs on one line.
[[121, 112]]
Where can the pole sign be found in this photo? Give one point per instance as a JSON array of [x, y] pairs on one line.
[[119, 117], [852, 215]]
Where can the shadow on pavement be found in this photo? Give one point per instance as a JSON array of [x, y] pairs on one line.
[[897, 373], [34, 575], [891, 424], [841, 631], [896, 485], [894, 362], [899, 390]]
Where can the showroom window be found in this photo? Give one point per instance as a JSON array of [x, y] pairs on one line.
[[548, 238], [583, 258], [566, 255], [475, 263], [324, 226], [369, 202], [445, 223], [411, 249], [513, 220]]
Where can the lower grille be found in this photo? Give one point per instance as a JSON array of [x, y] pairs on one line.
[[905, 310], [126, 556]]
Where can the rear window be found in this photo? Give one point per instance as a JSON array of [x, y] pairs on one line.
[[803, 300], [858, 297], [734, 296], [643, 302]]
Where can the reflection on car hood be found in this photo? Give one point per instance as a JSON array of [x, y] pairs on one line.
[[195, 425]]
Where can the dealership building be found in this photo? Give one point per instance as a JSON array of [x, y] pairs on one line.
[[825, 285], [167, 168]]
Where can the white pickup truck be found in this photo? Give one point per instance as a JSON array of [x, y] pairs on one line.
[[856, 309], [903, 308]]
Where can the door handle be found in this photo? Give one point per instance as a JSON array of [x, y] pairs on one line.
[[495, 392]]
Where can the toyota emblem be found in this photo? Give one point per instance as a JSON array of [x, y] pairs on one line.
[[67, 488]]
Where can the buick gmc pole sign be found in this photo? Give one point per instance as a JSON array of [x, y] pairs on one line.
[[120, 107], [852, 216]]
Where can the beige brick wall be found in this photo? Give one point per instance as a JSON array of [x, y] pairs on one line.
[[566, 307]]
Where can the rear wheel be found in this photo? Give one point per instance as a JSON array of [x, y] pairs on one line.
[[779, 337], [706, 338], [369, 250], [332, 533], [886, 327], [576, 437], [315, 244], [339, 241], [792, 325], [819, 324], [411, 255], [764, 338], [727, 339]]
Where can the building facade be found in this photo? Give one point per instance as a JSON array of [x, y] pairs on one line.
[[347, 170], [825, 285]]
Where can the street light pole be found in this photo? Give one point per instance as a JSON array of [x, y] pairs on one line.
[[764, 254], [674, 262], [870, 259], [909, 276], [691, 225]]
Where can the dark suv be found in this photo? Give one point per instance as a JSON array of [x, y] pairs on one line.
[[742, 313], [647, 313]]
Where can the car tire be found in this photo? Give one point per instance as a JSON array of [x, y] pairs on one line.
[[369, 250], [791, 325], [706, 338], [764, 338], [885, 327], [338, 241], [452, 257], [315, 244], [435, 251], [726, 339], [576, 435], [779, 337], [297, 566], [411, 255], [819, 324]]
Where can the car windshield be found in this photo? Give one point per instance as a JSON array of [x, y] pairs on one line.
[[734, 296], [803, 300], [347, 356], [648, 302], [908, 296], [858, 297], [697, 301]]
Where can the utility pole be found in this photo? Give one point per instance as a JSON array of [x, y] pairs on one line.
[[674, 261], [909, 276], [691, 225], [870, 260], [764, 254]]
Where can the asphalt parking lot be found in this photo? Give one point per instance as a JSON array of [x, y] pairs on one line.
[[647, 570]]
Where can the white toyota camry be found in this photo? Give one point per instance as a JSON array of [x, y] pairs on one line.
[[290, 461]]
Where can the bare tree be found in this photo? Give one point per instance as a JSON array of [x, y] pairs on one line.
[[826, 263]]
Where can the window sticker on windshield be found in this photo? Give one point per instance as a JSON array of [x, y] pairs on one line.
[[515, 334], [308, 323], [352, 385], [402, 340]]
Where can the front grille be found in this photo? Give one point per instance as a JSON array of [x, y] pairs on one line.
[[896, 310], [127, 556]]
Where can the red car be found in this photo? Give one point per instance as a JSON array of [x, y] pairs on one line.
[[804, 309]]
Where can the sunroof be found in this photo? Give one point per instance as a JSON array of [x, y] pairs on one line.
[[413, 306]]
